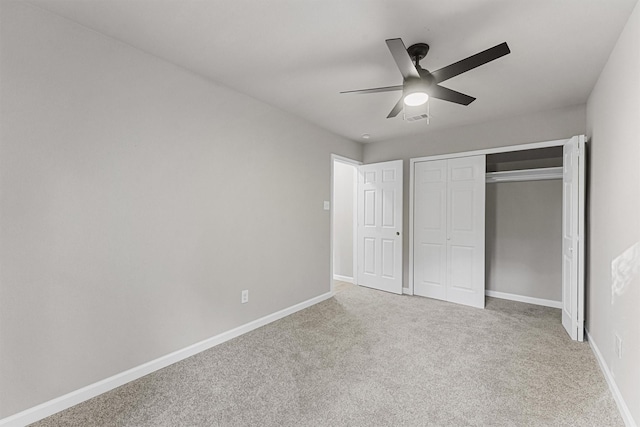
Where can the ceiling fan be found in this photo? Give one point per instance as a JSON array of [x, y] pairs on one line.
[[419, 84]]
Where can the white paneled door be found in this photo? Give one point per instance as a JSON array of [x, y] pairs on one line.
[[430, 229], [380, 226], [449, 235], [465, 230], [573, 216]]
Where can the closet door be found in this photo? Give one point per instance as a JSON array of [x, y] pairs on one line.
[[573, 215], [465, 230], [448, 246], [430, 229]]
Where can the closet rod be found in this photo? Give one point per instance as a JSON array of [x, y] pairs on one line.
[[540, 174]]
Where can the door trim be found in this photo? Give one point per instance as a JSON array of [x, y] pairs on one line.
[[413, 161], [503, 149], [582, 219], [355, 163]]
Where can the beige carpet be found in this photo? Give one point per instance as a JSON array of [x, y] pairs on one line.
[[369, 358]]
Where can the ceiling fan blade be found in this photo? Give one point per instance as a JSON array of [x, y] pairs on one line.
[[402, 58], [396, 110], [450, 95], [471, 62], [375, 90]]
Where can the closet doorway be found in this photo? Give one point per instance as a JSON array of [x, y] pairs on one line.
[[524, 226], [446, 204]]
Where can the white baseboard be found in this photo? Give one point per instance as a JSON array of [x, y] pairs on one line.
[[343, 278], [68, 400], [406, 291], [622, 406], [522, 298]]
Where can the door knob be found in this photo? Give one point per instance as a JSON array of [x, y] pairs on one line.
[[397, 233]]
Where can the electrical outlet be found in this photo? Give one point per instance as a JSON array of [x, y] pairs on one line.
[[245, 296], [618, 346]]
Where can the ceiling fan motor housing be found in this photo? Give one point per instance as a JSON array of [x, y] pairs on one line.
[[413, 85]]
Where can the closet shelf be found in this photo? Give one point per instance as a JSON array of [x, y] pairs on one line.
[[524, 175]]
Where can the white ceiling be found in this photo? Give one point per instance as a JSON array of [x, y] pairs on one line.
[[298, 54]]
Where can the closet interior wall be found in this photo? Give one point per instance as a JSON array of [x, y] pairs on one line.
[[524, 228]]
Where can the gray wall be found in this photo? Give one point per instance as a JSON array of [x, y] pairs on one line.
[[138, 200], [344, 180], [613, 123], [524, 238], [561, 123]]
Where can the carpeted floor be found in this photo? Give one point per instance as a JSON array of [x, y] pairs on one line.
[[369, 358]]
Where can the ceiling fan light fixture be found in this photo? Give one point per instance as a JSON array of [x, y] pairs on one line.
[[415, 93], [416, 98]]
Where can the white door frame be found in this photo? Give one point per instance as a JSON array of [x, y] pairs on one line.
[[355, 163], [413, 161]]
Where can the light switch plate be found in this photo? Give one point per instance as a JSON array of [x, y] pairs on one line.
[[326, 205]]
